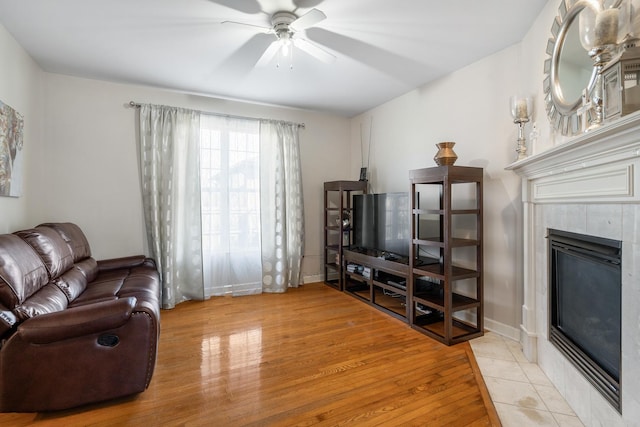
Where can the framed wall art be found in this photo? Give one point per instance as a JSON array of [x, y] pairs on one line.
[[11, 142]]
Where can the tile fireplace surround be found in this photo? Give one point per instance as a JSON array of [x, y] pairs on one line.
[[589, 185]]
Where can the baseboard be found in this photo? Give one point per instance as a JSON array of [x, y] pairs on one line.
[[502, 329], [313, 279]]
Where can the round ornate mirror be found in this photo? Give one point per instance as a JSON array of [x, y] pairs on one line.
[[568, 70]]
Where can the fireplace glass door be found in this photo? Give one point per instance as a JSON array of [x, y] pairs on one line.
[[585, 306]]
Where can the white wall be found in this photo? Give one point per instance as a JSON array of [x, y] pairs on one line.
[[89, 165], [20, 88]]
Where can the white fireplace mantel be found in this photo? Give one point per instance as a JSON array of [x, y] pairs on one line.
[[590, 185], [599, 166], [614, 142]]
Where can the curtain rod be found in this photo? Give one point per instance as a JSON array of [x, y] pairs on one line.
[[231, 116]]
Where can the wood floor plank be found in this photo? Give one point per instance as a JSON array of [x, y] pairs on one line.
[[310, 357]]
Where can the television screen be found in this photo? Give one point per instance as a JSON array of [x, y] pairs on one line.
[[382, 222]]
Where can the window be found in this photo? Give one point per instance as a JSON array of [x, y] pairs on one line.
[[230, 205]]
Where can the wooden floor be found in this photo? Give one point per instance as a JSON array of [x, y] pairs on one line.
[[312, 356]]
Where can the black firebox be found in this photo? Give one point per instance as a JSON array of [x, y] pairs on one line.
[[585, 287]]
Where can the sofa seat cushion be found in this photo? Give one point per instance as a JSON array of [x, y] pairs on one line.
[[140, 282], [103, 288]]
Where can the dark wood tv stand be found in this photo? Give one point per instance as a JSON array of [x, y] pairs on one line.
[[384, 287]]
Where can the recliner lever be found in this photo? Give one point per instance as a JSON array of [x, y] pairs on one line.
[[108, 340]]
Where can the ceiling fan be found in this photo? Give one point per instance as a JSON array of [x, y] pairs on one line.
[[286, 26]]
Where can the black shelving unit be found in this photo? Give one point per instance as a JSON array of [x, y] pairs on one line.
[[446, 298], [337, 234]]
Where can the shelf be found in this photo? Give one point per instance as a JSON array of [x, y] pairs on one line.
[[345, 186], [437, 271], [333, 266], [437, 242], [458, 302], [390, 287], [396, 306], [362, 292], [441, 174], [332, 209], [356, 277], [441, 212], [334, 283], [434, 327]]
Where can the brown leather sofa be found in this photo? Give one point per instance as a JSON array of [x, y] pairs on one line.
[[73, 330]]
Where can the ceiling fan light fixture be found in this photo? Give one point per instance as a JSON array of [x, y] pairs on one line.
[[286, 27], [285, 43]]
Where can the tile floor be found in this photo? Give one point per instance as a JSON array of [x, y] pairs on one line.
[[521, 392]]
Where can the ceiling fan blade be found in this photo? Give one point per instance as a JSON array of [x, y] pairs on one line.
[[307, 20], [389, 63], [268, 54], [314, 50], [305, 4], [266, 30], [247, 6]]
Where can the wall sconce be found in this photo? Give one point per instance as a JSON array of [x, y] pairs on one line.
[[521, 107]]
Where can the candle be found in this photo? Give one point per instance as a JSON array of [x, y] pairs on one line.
[[521, 109], [606, 28]]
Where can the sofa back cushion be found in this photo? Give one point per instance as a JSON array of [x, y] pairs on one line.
[[75, 238], [22, 272], [51, 247], [88, 267], [73, 282]]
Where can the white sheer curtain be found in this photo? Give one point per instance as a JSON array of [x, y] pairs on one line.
[[230, 181], [171, 198], [282, 211]]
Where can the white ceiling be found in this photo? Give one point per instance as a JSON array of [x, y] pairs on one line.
[[383, 48]]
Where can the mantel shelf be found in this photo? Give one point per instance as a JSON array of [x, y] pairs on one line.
[[613, 141]]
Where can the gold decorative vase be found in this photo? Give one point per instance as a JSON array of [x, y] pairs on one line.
[[445, 155]]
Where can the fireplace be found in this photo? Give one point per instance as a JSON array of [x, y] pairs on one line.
[[587, 185], [585, 307]]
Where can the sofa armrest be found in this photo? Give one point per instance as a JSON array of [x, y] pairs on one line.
[[125, 262], [78, 321]]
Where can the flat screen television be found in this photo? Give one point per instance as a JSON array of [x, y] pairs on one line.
[[382, 222]]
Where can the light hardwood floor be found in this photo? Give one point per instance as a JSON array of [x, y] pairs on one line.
[[311, 356]]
